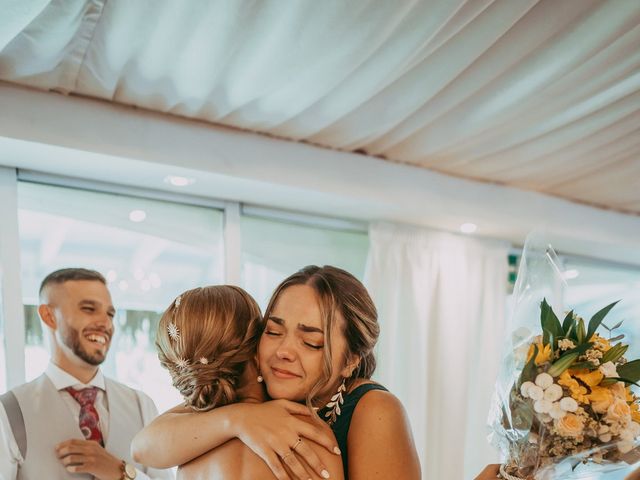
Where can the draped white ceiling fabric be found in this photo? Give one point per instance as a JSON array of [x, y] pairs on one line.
[[540, 95]]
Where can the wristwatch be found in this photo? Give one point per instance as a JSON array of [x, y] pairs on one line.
[[128, 471]]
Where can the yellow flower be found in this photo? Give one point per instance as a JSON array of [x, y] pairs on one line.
[[601, 399], [570, 425], [619, 391], [590, 378], [600, 343], [544, 353], [635, 413], [618, 410], [578, 392]]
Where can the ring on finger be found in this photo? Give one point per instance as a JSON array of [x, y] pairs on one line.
[[297, 444], [283, 457]]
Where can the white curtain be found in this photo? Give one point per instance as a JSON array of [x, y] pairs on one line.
[[441, 301]]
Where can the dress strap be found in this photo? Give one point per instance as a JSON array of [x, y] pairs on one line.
[[343, 422]]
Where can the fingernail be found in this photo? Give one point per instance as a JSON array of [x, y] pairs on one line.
[[337, 450], [324, 474]]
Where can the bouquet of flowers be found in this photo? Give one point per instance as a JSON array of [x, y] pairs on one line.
[[564, 405]]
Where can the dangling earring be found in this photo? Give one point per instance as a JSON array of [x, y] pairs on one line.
[[260, 378], [334, 405]]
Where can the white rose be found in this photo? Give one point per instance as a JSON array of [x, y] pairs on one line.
[[542, 406], [608, 370], [553, 393], [627, 435], [618, 411], [536, 393], [603, 429], [524, 388], [625, 446], [544, 380], [605, 437], [556, 411], [546, 418], [568, 404]]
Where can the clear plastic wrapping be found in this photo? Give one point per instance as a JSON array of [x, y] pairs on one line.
[[563, 405]]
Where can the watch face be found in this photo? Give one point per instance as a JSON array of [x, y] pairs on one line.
[[130, 470]]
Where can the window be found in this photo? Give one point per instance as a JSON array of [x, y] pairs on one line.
[[3, 370], [273, 250], [149, 251]]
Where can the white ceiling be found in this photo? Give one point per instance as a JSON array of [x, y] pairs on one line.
[[538, 95]]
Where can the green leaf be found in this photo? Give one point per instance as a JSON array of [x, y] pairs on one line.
[[612, 380], [580, 349], [617, 325], [529, 370], [567, 324], [562, 364], [596, 320], [614, 353], [581, 365], [630, 370], [580, 331], [550, 324], [615, 339]]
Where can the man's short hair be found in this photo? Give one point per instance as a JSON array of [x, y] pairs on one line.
[[69, 274]]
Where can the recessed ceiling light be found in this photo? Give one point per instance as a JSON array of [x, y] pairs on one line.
[[571, 274], [112, 275], [137, 215], [468, 227], [178, 181]]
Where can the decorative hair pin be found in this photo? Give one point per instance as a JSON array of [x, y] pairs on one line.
[[176, 302], [173, 331], [182, 363], [203, 360]]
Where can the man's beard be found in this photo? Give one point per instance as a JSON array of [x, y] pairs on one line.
[[71, 338]]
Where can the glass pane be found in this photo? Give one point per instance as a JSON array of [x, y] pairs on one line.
[[148, 250], [273, 250]]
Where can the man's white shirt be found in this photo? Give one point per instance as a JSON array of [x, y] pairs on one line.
[[10, 456]]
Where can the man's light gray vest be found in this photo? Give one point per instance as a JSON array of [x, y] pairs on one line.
[[48, 421]]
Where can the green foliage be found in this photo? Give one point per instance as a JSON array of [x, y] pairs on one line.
[[597, 319], [614, 353], [529, 371], [551, 327], [562, 364], [630, 370]]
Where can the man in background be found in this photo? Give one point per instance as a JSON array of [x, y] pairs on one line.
[[73, 422]]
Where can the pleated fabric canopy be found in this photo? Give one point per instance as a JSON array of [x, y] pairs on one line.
[[540, 95]]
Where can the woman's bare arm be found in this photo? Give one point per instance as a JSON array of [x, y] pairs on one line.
[[180, 434], [269, 429], [380, 442]]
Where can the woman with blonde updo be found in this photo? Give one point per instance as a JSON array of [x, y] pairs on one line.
[[207, 340]]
